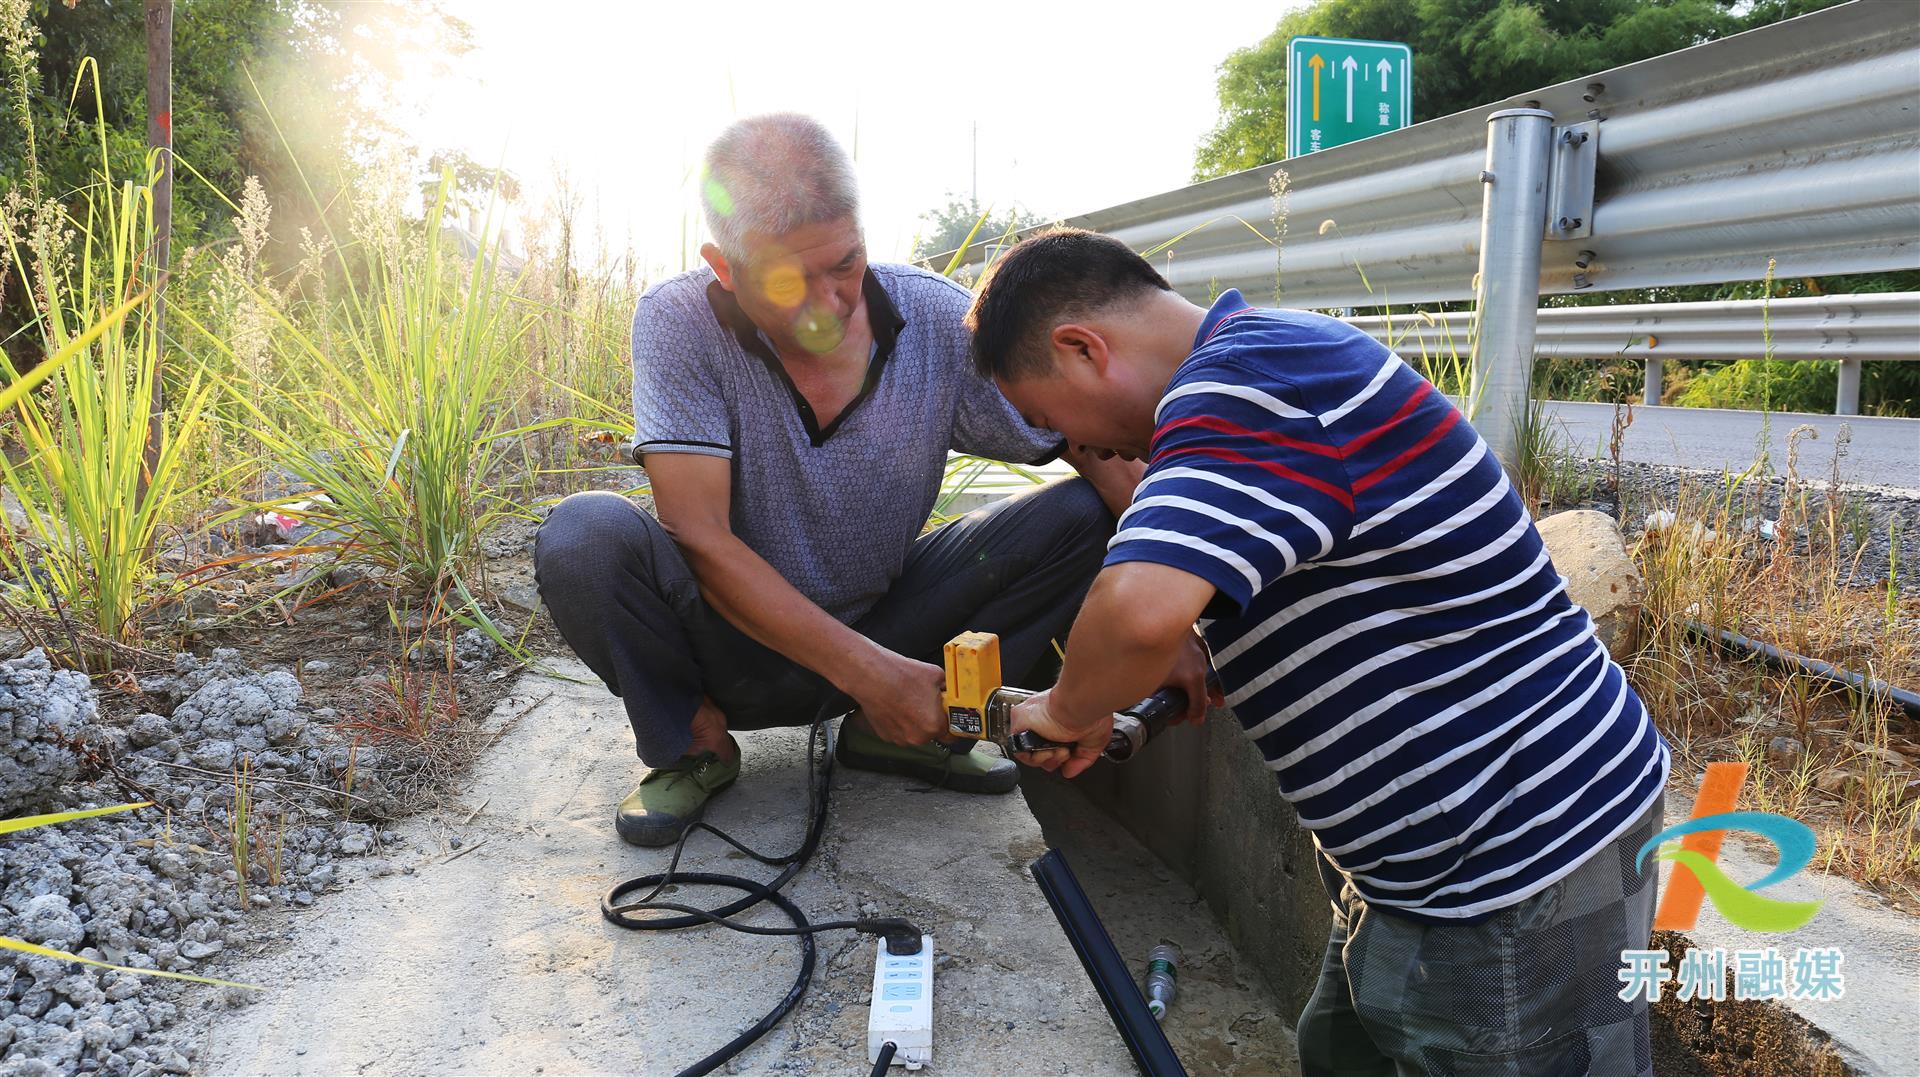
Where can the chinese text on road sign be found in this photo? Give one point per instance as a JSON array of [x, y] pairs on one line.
[[1341, 91]]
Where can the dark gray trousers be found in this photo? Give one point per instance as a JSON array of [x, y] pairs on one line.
[[1532, 991], [627, 603]]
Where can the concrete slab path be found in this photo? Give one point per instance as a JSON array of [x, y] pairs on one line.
[[497, 960]]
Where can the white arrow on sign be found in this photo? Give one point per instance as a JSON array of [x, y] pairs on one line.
[[1385, 70], [1350, 65]]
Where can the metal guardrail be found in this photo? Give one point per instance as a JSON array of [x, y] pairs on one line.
[[1797, 143], [1877, 327], [1847, 328]]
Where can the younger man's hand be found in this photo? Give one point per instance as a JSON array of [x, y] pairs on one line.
[[1035, 713], [1189, 673]]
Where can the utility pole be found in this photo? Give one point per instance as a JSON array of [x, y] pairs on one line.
[[976, 166], [159, 137]]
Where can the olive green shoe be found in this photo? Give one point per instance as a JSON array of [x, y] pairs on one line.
[[969, 772], [669, 798]]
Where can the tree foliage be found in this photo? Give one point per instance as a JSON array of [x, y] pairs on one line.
[[295, 93], [944, 229], [1466, 53], [252, 79]]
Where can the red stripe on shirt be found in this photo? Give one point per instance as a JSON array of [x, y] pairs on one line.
[[1406, 409], [1222, 426], [1385, 471], [1223, 321], [1282, 470]]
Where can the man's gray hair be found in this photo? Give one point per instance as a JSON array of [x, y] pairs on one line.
[[772, 174]]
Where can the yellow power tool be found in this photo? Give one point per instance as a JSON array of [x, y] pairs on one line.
[[981, 708]]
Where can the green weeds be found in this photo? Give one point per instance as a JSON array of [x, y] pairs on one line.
[[94, 495]]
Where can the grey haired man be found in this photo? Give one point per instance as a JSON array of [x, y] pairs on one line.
[[794, 408]]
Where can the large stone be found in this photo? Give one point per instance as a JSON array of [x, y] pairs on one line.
[[1588, 549]]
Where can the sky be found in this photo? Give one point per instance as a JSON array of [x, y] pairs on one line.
[[1076, 106]]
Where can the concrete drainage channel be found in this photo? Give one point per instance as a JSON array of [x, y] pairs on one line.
[[1202, 800]]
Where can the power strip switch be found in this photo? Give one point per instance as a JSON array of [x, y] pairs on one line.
[[902, 1011]]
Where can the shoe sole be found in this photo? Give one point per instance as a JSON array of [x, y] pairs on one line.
[[653, 835], [999, 782]]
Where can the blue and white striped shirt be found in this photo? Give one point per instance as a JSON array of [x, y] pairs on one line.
[[1387, 625]]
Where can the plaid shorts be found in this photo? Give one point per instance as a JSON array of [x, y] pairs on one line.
[[1531, 991]]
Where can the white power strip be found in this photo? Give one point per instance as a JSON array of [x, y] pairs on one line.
[[902, 1010]]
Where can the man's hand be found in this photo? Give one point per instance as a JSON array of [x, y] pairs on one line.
[[1112, 477], [1190, 675], [1087, 742], [900, 700]]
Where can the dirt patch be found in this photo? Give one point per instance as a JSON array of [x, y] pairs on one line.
[[1736, 1037]]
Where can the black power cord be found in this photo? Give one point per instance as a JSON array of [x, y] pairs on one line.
[[902, 936]]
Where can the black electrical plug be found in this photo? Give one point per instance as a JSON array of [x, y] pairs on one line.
[[902, 935]]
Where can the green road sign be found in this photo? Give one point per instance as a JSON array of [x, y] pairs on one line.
[[1341, 91]]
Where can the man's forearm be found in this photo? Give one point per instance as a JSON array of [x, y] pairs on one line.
[[755, 598], [1124, 643]]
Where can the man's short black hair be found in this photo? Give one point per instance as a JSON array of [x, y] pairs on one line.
[[1048, 278]]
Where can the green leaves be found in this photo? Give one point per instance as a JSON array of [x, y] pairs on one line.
[[94, 493], [29, 822], [403, 412], [1466, 53]]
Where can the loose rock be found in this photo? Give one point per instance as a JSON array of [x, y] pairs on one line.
[[41, 711], [129, 888], [1588, 549]]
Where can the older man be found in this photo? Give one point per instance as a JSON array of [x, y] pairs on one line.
[[794, 407]]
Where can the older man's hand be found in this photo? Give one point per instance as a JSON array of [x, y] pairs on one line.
[[900, 700]]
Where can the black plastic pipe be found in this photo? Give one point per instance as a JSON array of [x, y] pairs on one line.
[[1106, 968], [1788, 662]]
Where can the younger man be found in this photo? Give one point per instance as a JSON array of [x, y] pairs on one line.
[[1476, 773]]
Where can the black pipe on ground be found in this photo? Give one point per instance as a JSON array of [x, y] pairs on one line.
[[1789, 662], [1106, 968]]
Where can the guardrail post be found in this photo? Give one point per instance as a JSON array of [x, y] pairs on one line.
[[1513, 221], [1847, 401], [1656, 381]]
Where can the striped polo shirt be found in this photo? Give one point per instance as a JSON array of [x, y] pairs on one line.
[[1387, 623]]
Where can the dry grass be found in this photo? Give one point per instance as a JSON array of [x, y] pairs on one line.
[[1845, 763]]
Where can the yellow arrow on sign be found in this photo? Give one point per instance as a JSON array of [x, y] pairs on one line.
[[1317, 64]]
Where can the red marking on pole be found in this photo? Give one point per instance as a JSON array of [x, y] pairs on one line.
[[166, 125]]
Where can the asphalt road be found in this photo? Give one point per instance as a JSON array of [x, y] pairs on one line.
[[1882, 452]]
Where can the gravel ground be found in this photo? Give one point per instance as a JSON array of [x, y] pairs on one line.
[[1875, 516], [159, 888]]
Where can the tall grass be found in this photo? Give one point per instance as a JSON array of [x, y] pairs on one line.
[[412, 391], [406, 409], [91, 506]]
